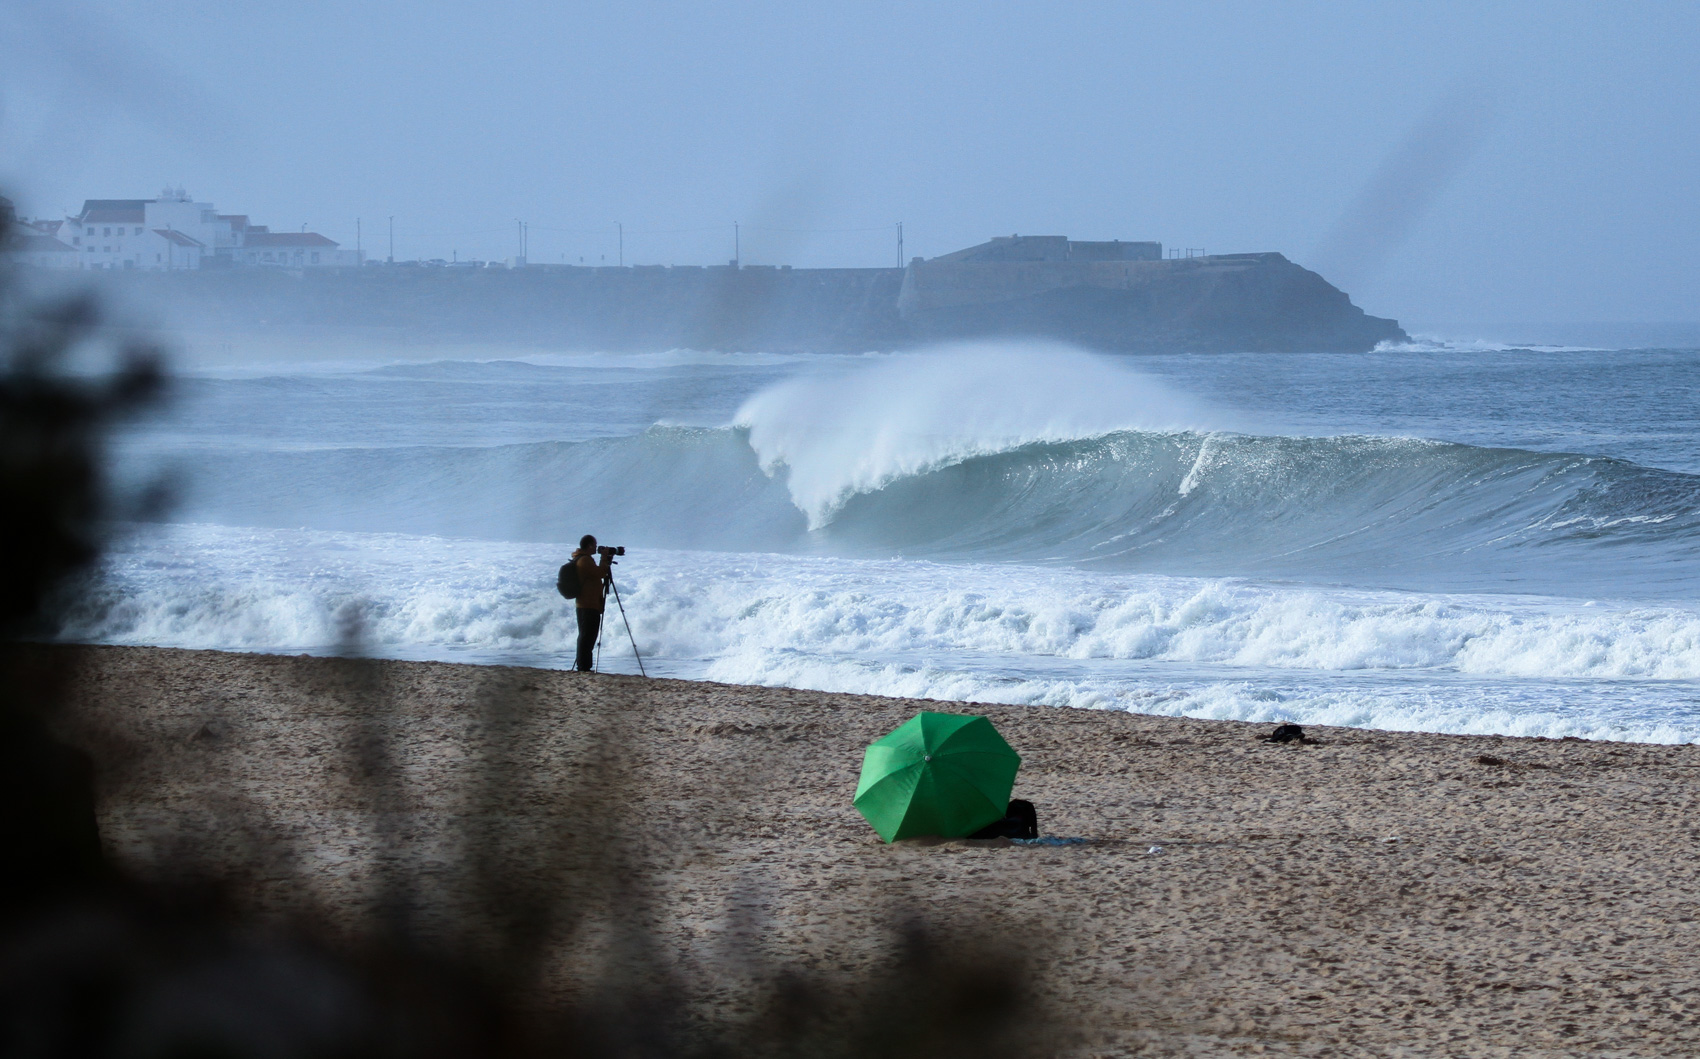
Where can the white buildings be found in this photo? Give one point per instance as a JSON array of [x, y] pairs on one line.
[[170, 232], [36, 245], [166, 233], [291, 250], [33, 243], [38, 250]]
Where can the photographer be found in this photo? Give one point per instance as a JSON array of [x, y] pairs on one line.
[[595, 574]]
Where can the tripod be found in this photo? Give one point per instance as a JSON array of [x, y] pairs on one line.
[[627, 621]]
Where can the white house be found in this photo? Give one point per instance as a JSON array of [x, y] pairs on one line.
[[292, 250], [171, 249], [164, 233], [175, 232], [107, 232], [32, 243], [31, 246]]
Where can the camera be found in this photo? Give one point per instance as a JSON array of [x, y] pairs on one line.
[[603, 549]]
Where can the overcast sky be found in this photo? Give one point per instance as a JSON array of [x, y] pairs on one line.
[[1442, 162]]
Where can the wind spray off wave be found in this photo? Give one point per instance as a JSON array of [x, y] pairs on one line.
[[834, 435]]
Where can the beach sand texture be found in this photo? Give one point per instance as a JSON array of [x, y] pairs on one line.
[[1377, 894]]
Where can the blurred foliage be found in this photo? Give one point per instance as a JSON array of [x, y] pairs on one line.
[[97, 960]]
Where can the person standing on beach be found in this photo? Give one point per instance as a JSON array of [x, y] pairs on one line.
[[593, 580]]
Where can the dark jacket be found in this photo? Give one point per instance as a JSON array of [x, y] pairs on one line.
[[593, 578]]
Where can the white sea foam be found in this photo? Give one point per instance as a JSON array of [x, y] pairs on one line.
[[854, 430], [1200, 647], [247, 356], [1424, 343]]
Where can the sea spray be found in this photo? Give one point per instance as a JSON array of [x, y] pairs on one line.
[[857, 429]]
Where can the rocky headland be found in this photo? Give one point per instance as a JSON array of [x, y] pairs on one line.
[[1219, 303]]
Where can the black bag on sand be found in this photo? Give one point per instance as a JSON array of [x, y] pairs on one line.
[[566, 582], [1021, 820]]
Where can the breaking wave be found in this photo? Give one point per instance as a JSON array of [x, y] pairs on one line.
[[837, 435], [1030, 454], [1398, 511]]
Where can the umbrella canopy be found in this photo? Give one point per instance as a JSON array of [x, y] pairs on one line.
[[940, 774]]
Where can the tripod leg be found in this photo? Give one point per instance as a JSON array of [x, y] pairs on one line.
[[628, 624]]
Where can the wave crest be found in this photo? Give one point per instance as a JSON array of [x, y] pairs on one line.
[[834, 435], [1363, 509]]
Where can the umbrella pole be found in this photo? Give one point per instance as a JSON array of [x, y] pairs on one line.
[[628, 624]]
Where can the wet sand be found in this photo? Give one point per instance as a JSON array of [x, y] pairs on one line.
[[1376, 893]]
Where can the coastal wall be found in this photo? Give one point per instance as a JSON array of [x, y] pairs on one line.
[[1224, 302], [1237, 302], [625, 309]]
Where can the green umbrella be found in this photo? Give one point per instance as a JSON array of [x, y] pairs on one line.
[[943, 774]]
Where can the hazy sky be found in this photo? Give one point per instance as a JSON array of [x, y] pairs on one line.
[[1443, 162]]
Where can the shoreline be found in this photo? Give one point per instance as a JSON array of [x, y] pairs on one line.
[[1381, 892], [1433, 660]]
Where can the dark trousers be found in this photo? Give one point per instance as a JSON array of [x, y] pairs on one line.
[[589, 624]]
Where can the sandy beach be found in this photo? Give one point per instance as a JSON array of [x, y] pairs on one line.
[[1373, 893]]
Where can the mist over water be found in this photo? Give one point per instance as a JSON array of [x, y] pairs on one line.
[[1261, 537]]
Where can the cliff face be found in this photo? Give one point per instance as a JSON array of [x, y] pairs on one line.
[[1240, 302]]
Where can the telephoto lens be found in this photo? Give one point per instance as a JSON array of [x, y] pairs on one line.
[[603, 549]]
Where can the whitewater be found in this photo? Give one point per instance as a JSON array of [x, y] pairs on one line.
[[1443, 536]]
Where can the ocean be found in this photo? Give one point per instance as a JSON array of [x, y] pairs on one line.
[[1446, 536]]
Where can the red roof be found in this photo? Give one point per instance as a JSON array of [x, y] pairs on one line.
[[113, 211], [288, 239], [36, 243], [177, 238]]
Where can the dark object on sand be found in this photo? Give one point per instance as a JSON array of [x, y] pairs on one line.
[[1020, 821], [1287, 733], [1489, 759]]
